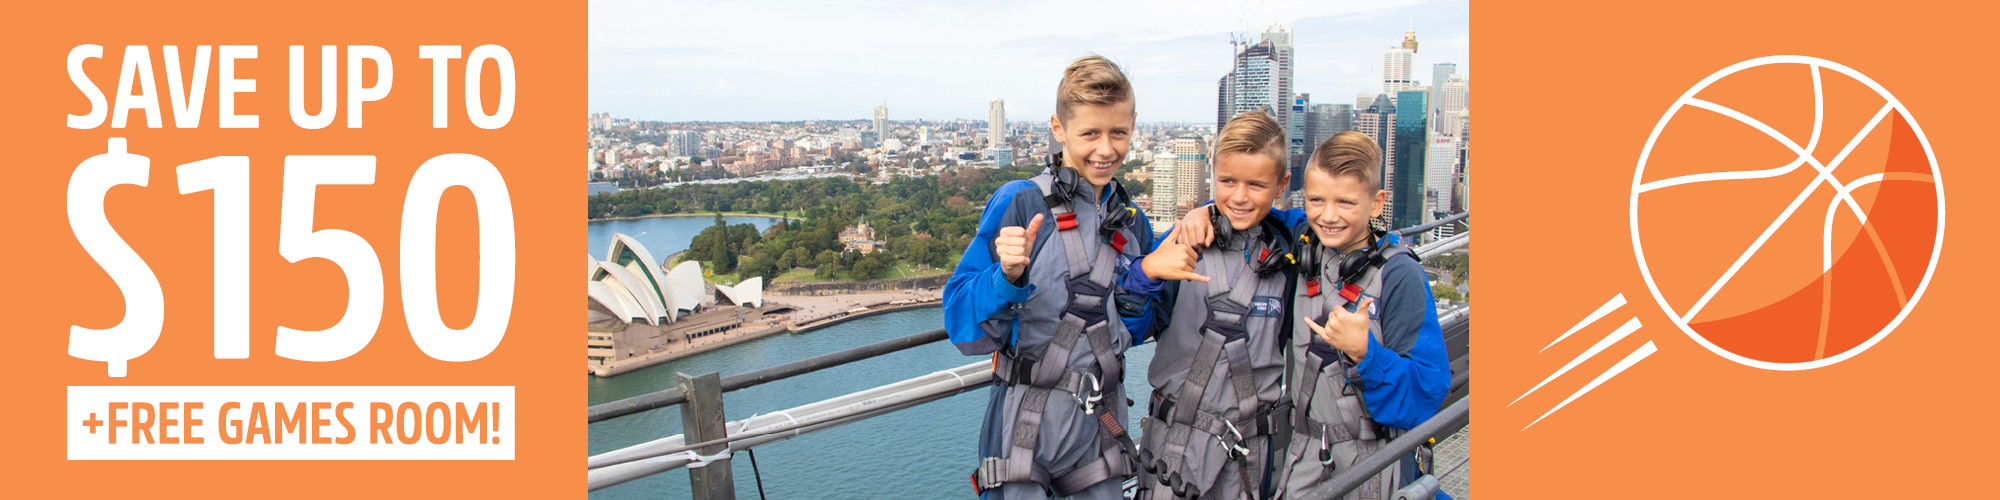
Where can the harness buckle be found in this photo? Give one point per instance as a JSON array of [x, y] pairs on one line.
[[1089, 404], [1021, 371], [986, 477], [1236, 449]]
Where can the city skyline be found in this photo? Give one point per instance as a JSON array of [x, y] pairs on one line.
[[928, 68]]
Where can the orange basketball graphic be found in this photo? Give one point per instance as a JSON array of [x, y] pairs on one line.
[[1787, 212]]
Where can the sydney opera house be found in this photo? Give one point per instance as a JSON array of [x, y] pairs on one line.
[[633, 300]]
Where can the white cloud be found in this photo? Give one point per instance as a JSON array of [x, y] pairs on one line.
[[800, 59]]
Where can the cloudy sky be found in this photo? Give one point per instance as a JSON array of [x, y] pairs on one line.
[[806, 60]]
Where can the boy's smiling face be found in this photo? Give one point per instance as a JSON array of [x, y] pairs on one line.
[[1245, 186], [1095, 138], [1339, 206]]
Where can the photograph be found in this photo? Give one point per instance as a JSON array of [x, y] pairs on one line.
[[1029, 250]]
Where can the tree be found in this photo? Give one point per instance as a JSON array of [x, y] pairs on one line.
[[788, 260], [867, 269], [1446, 292], [829, 263], [759, 266]]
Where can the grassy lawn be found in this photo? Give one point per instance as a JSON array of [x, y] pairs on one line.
[[799, 274], [907, 269], [726, 279]]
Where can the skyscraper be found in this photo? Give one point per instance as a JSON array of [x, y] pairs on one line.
[[1296, 136], [1259, 79], [1256, 83], [1324, 120], [1190, 169], [1166, 190], [1441, 72], [1455, 94], [1409, 140], [882, 122], [1396, 65], [1280, 38], [1378, 121], [996, 123], [1222, 98]]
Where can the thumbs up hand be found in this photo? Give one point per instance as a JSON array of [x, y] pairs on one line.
[[1012, 246], [1172, 261], [1346, 331]]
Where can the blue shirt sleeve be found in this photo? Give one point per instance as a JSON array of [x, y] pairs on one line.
[[1290, 217], [1406, 375], [1159, 295], [978, 289], [1141, 326]]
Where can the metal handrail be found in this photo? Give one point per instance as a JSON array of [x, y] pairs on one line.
[[1447, 421], [630, 463], [670, 397], [1432, 224], [674, 452]]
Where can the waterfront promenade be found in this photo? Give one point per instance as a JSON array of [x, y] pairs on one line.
[[780, 314]]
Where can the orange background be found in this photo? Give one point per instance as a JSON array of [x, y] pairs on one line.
[[50, 283], [1568, 93]]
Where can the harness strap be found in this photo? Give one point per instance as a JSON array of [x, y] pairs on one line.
[[1239, 375], [1333, 433]]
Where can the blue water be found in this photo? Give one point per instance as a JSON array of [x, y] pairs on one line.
[[924, 452], [662, 236]]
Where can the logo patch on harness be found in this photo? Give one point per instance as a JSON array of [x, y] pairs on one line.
[[1265, 306]]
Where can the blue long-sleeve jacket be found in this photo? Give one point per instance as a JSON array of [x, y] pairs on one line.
[[1407, 374], [979, 288]]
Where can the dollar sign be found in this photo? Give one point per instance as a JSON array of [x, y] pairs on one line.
[[145, 309]]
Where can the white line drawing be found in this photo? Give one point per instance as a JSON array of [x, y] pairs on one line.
[[1824, 175], [1642, 353], [1615, 302], [1630, 326]]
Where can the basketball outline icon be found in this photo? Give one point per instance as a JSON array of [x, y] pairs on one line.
[[1842, 199]]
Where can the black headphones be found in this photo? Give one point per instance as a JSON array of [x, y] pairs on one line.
[[1118, 213], [1277, 252], [1352, 265]]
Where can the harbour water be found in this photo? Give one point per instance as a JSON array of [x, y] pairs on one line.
[[924, 452], [662, 236]]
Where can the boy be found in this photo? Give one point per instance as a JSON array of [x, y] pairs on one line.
[[1216, 372], [1378, 364], [1036, 290]]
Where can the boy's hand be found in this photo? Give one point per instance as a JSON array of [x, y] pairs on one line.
[[1012, 246], [1195, 231], [1172, 261], [1346, 331]]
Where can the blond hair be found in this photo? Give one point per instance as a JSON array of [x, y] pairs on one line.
[[1091, 80], [1350, 153], [1253, 133]]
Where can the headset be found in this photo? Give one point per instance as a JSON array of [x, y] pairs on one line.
[[1118, 212], [1278, 251], [1351, 267]]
